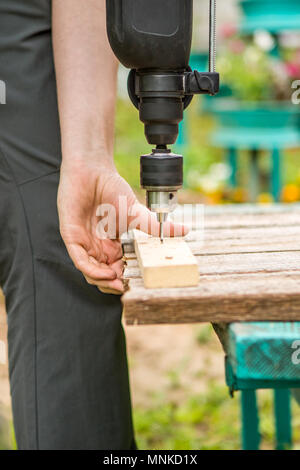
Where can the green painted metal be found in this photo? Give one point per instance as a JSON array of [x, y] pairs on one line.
[[199, 61], [236, 383], [250, 430], [182, 136], [263, 351], [283, 419], [255, 125], [254, 175], [260, 355], [271, 15], [276, 174], [232, 162]]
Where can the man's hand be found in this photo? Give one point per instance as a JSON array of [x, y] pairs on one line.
[[86, 75], [84, 186]]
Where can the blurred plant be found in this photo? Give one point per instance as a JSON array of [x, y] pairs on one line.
[[254, 69], [265, 198], [206, 421], [239, 195], [205, 173], [5, 431], [204, 335], [211, 182]]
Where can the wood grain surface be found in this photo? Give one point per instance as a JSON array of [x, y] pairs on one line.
[[249, 270], [165, 264]]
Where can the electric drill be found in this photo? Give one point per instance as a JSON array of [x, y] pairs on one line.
[[153, 39]]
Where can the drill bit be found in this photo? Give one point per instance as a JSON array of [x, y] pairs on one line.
[[161, 232]]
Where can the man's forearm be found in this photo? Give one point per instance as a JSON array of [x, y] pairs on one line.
[[86, 74]]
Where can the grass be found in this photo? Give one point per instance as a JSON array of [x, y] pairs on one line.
[[7, 437], [200, 422], [208, 421]]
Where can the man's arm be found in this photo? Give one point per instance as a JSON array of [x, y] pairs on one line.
[[86, 71], [86, 74]]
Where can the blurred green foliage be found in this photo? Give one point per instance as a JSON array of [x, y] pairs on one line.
[[247, 71], [7, 438], [205, 170], [258, 69], [204, 334], [207, 421], [131, 143]]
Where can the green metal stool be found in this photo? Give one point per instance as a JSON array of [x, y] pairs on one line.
[[259, 356], [255, 127], [269, 15], [276, 172]]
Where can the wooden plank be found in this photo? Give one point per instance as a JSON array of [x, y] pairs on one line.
[[249, 265], [228, 298], [237, 263], [259, 220], [239, 240], [167, 264], [238, 216], [234, 209], [224, 247], [250, 233]]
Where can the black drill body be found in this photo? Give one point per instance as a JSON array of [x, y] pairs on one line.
[[153, 39]]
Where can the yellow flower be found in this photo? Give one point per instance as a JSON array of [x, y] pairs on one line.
[[265, 198], [290, 193], [239, 195]]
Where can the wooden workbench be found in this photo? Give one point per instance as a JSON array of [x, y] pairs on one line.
[[249, 265]]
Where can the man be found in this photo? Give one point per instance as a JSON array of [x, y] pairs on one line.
[[67, 358]]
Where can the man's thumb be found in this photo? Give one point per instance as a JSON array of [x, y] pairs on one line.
[[148, 223]]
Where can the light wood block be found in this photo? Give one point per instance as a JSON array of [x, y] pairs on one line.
[[167, 264]]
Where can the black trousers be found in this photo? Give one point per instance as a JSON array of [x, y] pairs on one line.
[[67, 357]]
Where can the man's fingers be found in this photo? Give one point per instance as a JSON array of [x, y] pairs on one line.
[[88, 267], [116, 285], [118, 267], [174, 230], [113, 250], [148, 223], [109, 291]]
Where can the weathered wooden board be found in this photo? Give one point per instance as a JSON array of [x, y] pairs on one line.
[[167, 264], [249, 266]]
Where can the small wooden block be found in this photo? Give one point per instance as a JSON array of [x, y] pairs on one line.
[[167, 264]]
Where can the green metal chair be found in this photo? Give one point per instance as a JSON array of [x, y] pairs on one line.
[[260, 356], [271, 15], [255, 127]]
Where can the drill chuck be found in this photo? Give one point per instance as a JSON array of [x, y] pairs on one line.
[[161, 168], [162, 202], [162, 177]]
